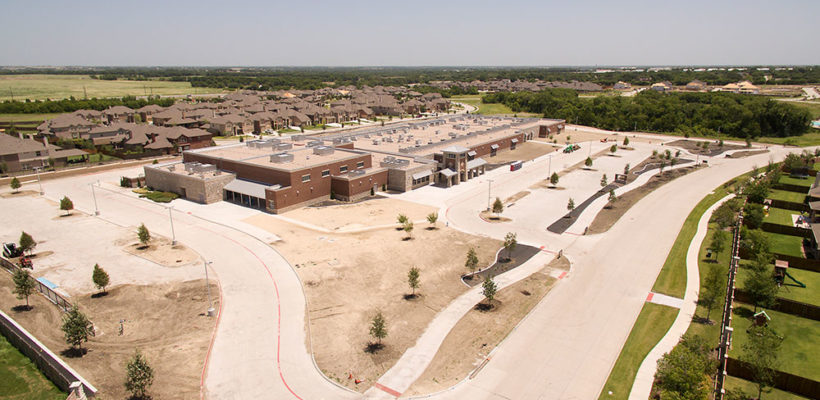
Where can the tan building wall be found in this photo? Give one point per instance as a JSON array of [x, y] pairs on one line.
[[191, 187]]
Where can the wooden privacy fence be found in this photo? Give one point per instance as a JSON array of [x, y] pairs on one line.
[[789, 205], [791, 188], [783, 380], [787, 306], [785, 229]]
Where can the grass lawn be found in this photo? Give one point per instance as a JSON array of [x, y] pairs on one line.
[[786, 244], [652, 323], [490, 109], [99, 157], [26, 117], [814, 108], [41, 87], [790, 290], [780, 216], [785, 195], [750, 389], [710, 332], [807, 139], [785, 179], [801, 344], [672, 278], [156, 196], [288, 130], [20, 378]]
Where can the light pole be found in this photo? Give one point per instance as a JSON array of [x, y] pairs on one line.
[[549, 169], [94, 195], [173, 235], [208, 285], [37, 170], [489, 190]]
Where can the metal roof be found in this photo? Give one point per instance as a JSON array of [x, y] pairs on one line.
[[476, 163], [455, 149], [494, 147], [247, 187], [422, 174], [447, 172], [471, 153]]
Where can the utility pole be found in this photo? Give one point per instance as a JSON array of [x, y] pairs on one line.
[[37, 170], [207, 285], [94, 195], [549, 169], [489, 190], [173, 235]]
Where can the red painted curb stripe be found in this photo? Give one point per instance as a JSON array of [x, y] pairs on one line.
[[650, 296], [386, 389], [563, 274]]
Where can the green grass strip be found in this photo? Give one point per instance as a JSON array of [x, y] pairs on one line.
[[20, 378]]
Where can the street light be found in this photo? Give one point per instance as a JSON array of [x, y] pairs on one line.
[[549, 169], [173, 235], [489, 190], [94, 195], [207, 285], [37, 171]]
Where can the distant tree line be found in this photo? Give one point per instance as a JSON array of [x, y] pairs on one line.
[[72, 104], [276, 78], [697, 114]]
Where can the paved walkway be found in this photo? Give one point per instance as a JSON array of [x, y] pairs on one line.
[[646, 373], [664, 300]]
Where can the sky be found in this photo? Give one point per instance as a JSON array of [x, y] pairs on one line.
[[409, 33]]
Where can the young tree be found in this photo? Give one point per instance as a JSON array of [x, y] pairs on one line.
[[720, 143], [761, 352], [712, 289], [554, 179], [472, 260], [626, 141], [612, 197], [719, 239], [66, 205], [402, 219], [432, 218], [27, 243], [139, 375], [413, 279], [626, 169], [613, 148], [76, 327], [663, 165], [15, 184], [761, 286], [498, 206], [23, 284], [378, 327], [588, 162], [408, 229], [100, 277], [489, 289], [604, 181], [143, 235], [571, 204], [510, 242]]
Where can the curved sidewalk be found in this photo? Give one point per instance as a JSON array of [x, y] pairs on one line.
[[642, 386]]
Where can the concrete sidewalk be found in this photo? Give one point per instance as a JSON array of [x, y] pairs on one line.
[[646, 373]]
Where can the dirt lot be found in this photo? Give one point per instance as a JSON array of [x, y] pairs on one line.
[[349, 277], [741, 154], [523, 152], [693, 146], [610, 214], [161, 251], [166, 322], [375, 212], [479, 332]]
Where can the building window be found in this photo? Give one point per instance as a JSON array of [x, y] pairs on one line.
[[343, 169], [271, 204], [451, 156], [360, 164], [306, 178], [325, 173]]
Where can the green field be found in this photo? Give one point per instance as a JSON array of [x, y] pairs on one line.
[[652, 323], [807, 139], [709, 332], [42, 87], [785, 244], [780, 216], [798, 353], [785, 195], [26, 117], [750, 389], [814, 108], [490, 109], [790, 290], [785, 179], [20, 379]]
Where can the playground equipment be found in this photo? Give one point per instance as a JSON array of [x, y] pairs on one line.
[[25, 262], [572, 147], [10, 250], [781, 273]]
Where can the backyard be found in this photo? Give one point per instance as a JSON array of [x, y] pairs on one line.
[[20, 379], [785, 195], [785, 244]]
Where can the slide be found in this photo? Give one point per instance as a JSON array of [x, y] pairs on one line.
[[801, 284]]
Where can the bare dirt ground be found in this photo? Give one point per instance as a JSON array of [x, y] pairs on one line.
[[160, 250], [22, 193], [493, 218], [350, 277], [480, 331], [375, 212], [610, 214], [523, 152], [166, 322], [741, 154], [693, 146]]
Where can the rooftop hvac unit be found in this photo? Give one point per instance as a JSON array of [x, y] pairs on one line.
[[314, 143], [375, 142], [323, 150], [452, 134], [281, 158], [357, 172], [298, 138], [283, 146]]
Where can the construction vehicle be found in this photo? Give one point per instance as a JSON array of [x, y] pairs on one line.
[[10, 250]]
